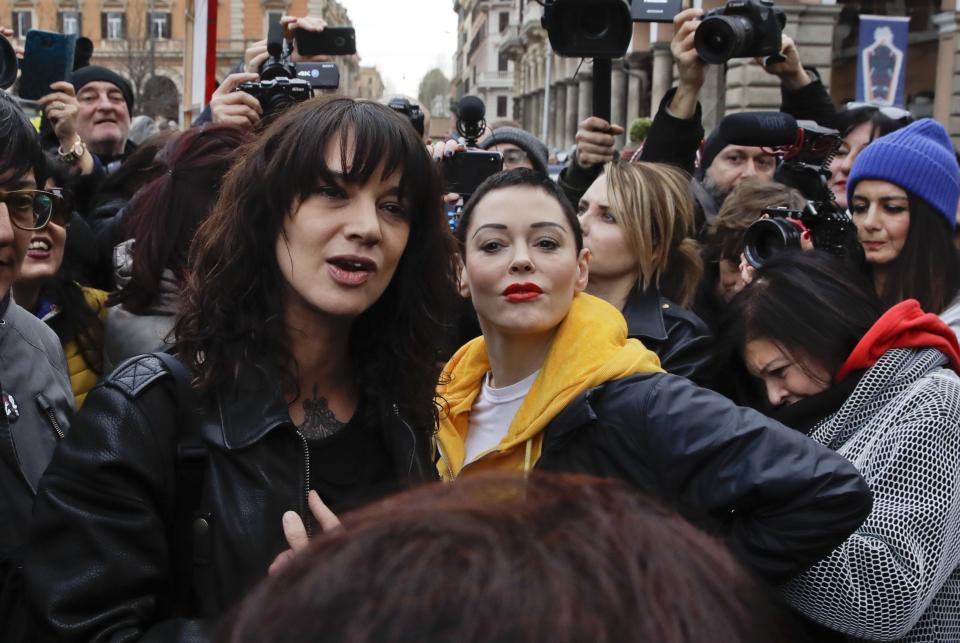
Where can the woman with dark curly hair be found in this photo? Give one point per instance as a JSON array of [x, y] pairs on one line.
[[310, 325]]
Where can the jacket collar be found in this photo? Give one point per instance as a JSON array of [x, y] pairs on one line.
[[644, 314], [252, 408]]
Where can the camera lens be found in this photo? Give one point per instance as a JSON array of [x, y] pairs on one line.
[[766, 237], [8, 64], [595, 22], [278, 101], [720, 38]]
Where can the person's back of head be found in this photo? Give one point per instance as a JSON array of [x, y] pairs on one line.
[[558, 558], [655, 206], [166, 212]]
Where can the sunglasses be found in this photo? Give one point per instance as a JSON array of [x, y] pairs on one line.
[[34, 209], [893, 113]]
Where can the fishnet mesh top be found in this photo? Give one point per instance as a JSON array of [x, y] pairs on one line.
[[896, 577]]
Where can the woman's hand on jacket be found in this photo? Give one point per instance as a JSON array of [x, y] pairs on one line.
[[296, 532]]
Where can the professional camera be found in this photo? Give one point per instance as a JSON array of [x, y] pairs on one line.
[[465, 171], [741, 29], [411, 110], [807, 150], [282, 82]]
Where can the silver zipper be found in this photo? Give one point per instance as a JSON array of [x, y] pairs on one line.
[[53, 421], [413, 452], [306, 481]]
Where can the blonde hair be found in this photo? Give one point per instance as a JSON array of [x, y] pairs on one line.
[[654, 205]]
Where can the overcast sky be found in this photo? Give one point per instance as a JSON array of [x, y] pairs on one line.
[[404, 39]]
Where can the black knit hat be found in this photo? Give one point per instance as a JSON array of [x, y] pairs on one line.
[[535, 149], [91, 73], [711, 147]]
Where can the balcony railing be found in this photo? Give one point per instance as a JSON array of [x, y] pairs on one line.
[[498, 78]]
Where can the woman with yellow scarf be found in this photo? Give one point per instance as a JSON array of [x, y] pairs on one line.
[[554, 384]]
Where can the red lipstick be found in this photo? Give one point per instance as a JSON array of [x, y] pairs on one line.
[[522, 292]]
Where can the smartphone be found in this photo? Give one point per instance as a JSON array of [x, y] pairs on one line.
[[332, 41], [47, 58], [465, 171], [655, 10]]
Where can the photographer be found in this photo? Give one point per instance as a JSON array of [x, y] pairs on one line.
[[231, 107]]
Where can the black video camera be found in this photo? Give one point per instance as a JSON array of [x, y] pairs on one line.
[[411, 110], [806, 167], [465, 171], [588, 28], [741, 29], [282, 82]]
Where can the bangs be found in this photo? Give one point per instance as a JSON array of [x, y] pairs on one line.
[[19, 146], [381, 141]]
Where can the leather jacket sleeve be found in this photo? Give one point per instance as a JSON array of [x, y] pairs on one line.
[[673, 140], [782, 501], [110, 487]]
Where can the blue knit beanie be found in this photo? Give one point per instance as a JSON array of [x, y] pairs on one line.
[[918, 158]]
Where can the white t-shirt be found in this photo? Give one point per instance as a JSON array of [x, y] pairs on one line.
[[492, 413]]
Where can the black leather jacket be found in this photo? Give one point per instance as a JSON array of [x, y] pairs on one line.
[[779, 500], [104, 543], [678, 337]]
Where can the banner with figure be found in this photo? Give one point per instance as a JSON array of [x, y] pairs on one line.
[[882, 59]]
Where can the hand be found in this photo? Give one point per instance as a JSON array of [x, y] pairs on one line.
[[445, 149], [230, 106], [691, 70], [747, 273], [296, 533], [790, 71], [255, 55], [61, 108], [309, 23], [595, 141]]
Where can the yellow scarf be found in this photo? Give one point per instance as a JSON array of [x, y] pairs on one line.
[[590, 348]]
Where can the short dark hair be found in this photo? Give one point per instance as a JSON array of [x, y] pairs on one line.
[[19, 146], [807, 303], [557, 557], [847, 120], [518, 177], [928, 266]]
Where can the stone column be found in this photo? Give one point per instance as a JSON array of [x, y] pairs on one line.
[[662, 74], [560, 120], [618, 100], [584, 100], [573, 102], [948, 82]]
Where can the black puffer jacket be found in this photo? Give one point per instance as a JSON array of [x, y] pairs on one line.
[[779, 500], [106, 537]]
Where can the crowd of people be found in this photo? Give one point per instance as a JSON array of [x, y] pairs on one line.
[[256, 388]]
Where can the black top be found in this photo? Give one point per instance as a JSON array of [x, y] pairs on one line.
[[352, 467]]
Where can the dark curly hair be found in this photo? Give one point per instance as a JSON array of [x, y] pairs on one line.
[[232, 310]]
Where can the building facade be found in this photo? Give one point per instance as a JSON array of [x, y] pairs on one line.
[[480, 67], [144, 40], [370, 84], [551, 94]]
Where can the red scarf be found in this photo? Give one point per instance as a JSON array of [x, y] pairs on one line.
[[903, 326]]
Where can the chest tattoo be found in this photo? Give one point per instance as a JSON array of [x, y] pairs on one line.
[[319, 422]]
